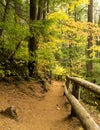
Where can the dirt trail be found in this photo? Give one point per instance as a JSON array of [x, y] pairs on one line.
[[37, 113]]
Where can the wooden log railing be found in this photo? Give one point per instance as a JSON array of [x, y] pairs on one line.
[[77, 109]]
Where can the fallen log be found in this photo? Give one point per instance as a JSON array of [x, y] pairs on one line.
[[86, 120]]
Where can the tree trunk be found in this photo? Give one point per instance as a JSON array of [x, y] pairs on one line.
[[44, 9], [33, 10], [48, 10], [40, 10], [35, 14], [32, 45], [89, 64]]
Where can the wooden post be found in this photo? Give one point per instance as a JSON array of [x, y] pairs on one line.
[[76, 93], [67, 83], [76, 90]]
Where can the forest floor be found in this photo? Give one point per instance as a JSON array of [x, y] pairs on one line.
[[37, 110]]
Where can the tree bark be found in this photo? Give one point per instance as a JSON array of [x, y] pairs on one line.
[[40, 9], [35, 14], [48, 10], [33, 10], [89, 64], [44, 9], [32, 45]]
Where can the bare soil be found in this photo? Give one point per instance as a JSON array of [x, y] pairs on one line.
[[36, 110]]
